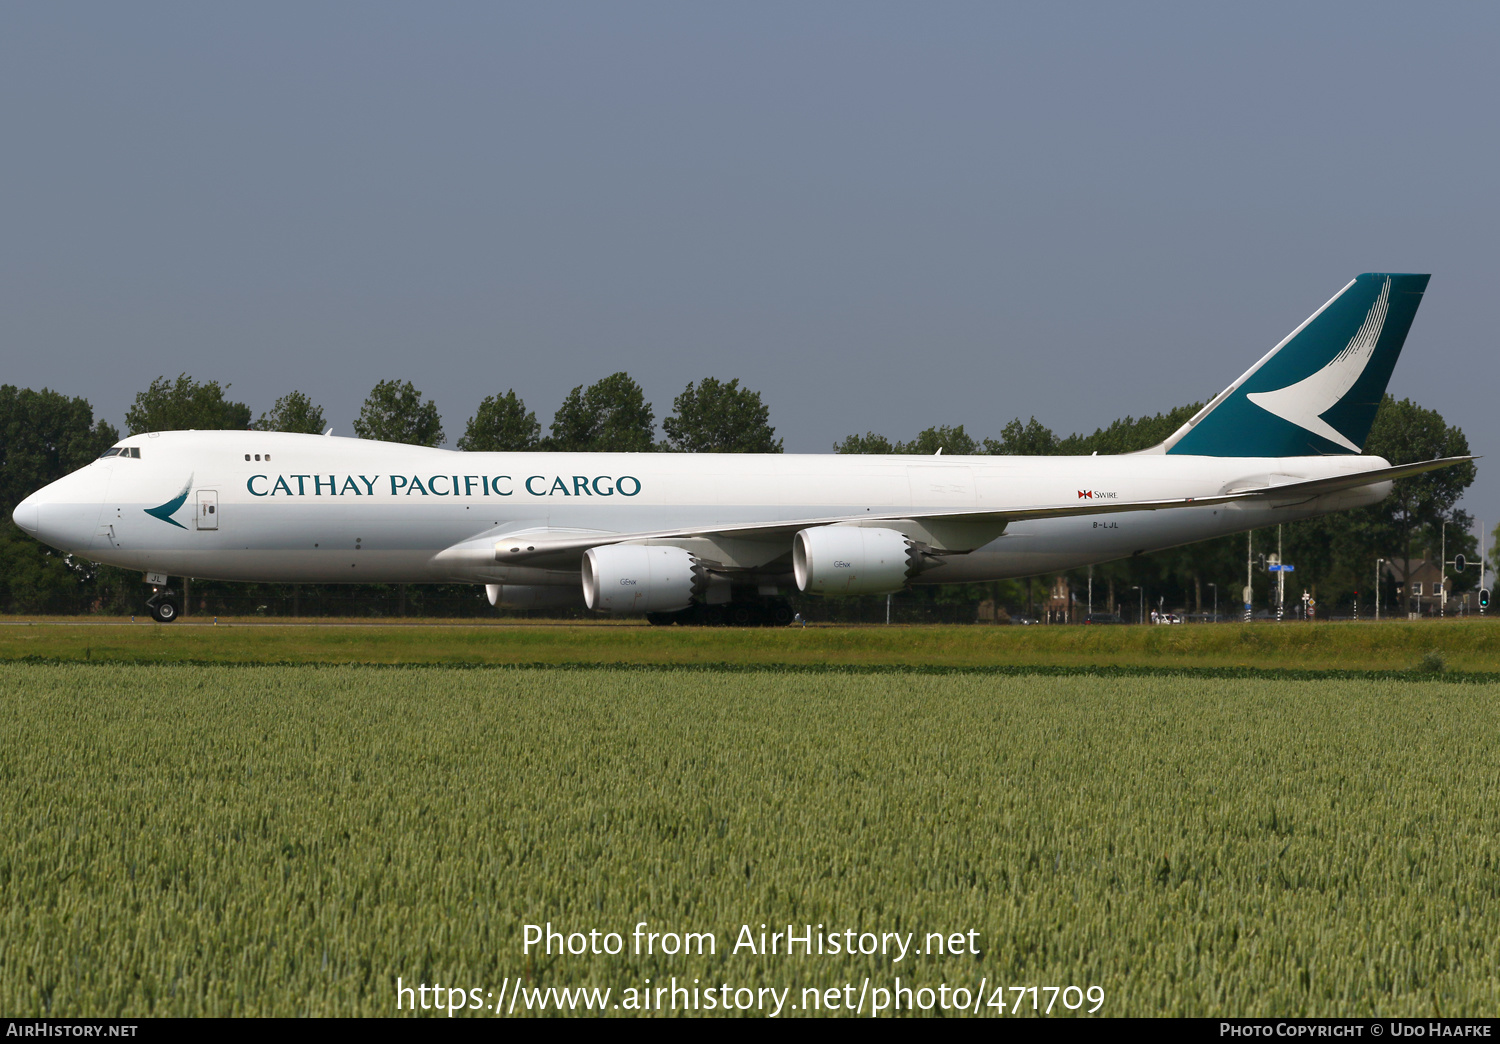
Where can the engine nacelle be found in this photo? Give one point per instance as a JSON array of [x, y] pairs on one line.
[[850, 560], [632, 578]]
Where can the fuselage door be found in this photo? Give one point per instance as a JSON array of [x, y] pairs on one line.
[[936, 486], [208, 509]]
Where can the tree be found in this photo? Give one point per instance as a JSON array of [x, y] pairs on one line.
[[43, 436], [501, 423], [183, 404], [394, 412], [720, 418], [1032, 439], [951, 440], [1130, 434], [1127, 435], [869, 442], [612, 416], [1404, 433], [293, 412]]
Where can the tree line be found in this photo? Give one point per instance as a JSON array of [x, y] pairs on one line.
[[47, 434], [611, 415], [1335, 555]]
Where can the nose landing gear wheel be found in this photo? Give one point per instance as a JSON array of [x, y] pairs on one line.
[[164, 607]]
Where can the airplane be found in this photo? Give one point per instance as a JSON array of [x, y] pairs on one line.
[[687, 537]]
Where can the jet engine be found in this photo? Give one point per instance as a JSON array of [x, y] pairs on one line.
[[850, 560], [633, 578]]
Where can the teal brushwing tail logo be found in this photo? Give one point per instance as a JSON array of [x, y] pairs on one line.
[[167, 510], [1305, 402], [1317, 391]]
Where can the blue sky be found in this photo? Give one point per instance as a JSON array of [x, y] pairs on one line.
[[882, 217]]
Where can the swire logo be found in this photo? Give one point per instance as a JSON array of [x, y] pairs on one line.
[[1096, 494]]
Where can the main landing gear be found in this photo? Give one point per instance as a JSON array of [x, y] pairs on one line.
[[164, 605], [768, 612]]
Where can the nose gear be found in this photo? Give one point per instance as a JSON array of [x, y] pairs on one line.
[[164, 605]]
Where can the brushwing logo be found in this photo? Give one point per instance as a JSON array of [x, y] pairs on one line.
[[1305, 402], [165, 511]]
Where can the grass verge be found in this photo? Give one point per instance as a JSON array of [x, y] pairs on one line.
[[1463, 646]]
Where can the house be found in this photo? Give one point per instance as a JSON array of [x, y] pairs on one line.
[[1059, 606], [1421, 592]]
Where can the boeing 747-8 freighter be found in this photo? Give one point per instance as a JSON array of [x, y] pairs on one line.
[[659, 533]]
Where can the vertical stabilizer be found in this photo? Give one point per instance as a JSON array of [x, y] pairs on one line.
[[1317, 391]]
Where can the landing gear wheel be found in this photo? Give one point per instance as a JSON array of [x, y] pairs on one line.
[[164, 606], [742, 614], [661, 619], [780, 613]]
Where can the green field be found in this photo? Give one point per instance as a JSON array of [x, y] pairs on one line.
[[1471, 645], [291, 839]]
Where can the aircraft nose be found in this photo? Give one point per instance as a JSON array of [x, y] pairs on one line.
[[27, 515], [65, 514]]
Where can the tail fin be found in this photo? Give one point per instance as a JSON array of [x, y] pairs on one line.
[[1317, 391]]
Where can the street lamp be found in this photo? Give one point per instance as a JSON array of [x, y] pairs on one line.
[[1443, 573], [1142, 617], [1216, 601], [1378, 563]]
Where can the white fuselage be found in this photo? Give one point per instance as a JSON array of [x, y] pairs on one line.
[[307, 508]]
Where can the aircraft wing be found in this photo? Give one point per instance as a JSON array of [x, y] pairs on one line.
[[530, 546]]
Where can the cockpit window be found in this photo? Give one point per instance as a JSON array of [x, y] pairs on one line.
[[109, 452], [122, 451], [135, 451]]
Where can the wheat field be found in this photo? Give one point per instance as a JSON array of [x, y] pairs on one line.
[[245, 840]]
